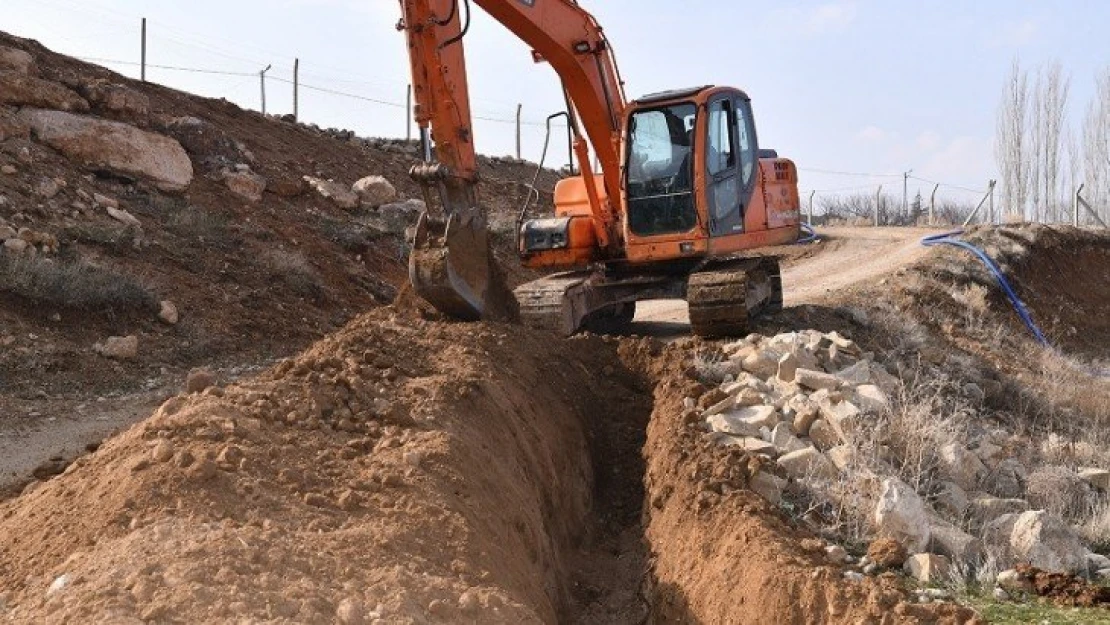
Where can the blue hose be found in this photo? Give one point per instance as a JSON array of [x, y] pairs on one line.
[[810, 237], [1022, 311]]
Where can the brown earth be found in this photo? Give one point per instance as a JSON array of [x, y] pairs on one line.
[[1062, 589]]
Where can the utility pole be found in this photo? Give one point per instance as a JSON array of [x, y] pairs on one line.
[[878, 198], [142, 70], [1078, 199], [811, 194], [933, 206], [906, 192], [296, 87], [262, 81], [519, 107]]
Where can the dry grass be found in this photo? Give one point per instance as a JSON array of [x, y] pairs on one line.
[[710, 366], [293, 270], [1095, 528], [73, 285]]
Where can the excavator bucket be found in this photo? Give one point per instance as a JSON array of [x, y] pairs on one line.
[[452, 267]]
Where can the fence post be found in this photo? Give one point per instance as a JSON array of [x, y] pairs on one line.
[[142, 64], [878, 198], [978, 208], [296, 88], [408, 115], [519, 107], [1075, 207], [991, 208], [933, 206], [262, 81], [811, 194]]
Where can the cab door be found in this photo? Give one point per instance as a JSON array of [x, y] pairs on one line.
[[731, 161]]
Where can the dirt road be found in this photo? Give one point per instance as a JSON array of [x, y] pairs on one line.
[[847, 256]]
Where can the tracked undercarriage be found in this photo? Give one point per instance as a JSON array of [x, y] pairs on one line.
[[722, 296]]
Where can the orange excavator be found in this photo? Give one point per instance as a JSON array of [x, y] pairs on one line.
[[683, 198]]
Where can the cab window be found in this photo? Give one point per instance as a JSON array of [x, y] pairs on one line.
[[719, 151]]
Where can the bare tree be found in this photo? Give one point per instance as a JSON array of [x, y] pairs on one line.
[[1010, 146], [1034, 147], [1096, 146], [1052, 97]]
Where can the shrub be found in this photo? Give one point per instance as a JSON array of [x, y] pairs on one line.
[[293, 270], [73, 284]]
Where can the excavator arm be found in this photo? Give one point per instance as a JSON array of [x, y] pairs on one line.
[[451, 264]]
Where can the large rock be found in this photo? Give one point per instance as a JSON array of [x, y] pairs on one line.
[[375, 191], [873, 399], [928, 568], [949, 540], [900, 514], [1099, 478], [11, 126], [768, 486], [119, 347], [245, 184], [118, 102], [815, 380], [729, 423], [1048, 543], [337, 192], [113, 146], [24, 90], [761, 364], [787, 367], [16, 60], [806, 463], [951, 499], [843, 416], [758, 416], [986, 508], [784, 439], [961, 466], [823, 435], [208, 144], [1009, 479]]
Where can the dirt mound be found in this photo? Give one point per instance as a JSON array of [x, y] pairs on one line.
[[1061, 589], [398, 468]]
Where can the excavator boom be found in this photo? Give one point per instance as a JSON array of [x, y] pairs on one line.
[[451, 264]]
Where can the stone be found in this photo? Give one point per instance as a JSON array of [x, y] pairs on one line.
[[7, 232], [951, 499], [730, 424], [996, 538], [986, 508], [123, 217], [1009, 478], [24, 90], [887, 553], [823, 435], [105, 201], [46, 188], [167, 312], [59, 584], [210, 145], [872, 399], [16, 60], [748, 397], [758, 446], [928, 568], [1048, 543], [900, 514], [1103, 574], [804, 416], [350, 612], [16, 246], [843, 416], [118, 102], [859, 373], [841, 456], [949, 540], [339, 194], [245, 184], [8, 170], [119, 347], [1097, 562], [768, 486], [375, 191], [990, 453], [759, 416], [961, 466], [784, 440], [163, 451], [806, 463], [198, 380], [816, 380], [788, 367], [760, 364], [1099, 478], [113, 146]]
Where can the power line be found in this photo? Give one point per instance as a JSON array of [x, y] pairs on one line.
[[847, 173], [175, 68], [950, 186]]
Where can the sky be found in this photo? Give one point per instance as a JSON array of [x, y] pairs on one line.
[[874, 87]]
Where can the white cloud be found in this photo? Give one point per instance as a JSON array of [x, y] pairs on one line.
[[1015, 34], [928, 140], [815, 20], [872, 134]]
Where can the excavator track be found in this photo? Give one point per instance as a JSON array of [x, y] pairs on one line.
[[722, 299]]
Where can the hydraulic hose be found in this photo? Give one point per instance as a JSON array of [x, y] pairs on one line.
[[810, 235], [947, 239]]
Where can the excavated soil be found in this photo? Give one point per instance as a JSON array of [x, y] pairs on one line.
[[421, 471]]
